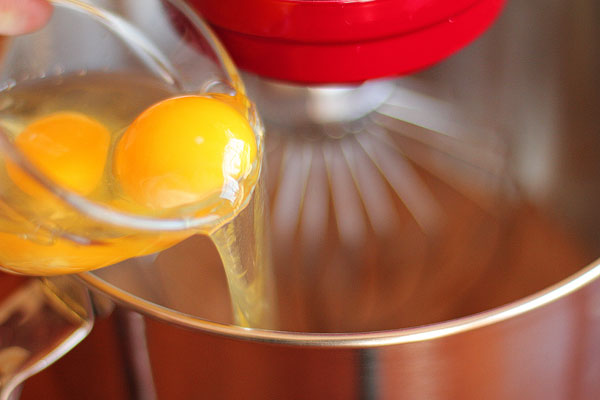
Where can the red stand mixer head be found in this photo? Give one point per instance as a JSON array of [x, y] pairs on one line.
[[344, 41]]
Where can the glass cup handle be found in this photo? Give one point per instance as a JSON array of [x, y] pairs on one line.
[[39, 323]]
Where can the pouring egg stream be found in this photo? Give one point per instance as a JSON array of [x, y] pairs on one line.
[[175, 155]]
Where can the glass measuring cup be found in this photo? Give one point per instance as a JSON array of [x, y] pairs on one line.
[[109, 61]]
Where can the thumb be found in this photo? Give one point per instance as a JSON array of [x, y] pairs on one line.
[[23, 16]]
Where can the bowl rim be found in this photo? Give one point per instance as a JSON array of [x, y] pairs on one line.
[[384, 338]]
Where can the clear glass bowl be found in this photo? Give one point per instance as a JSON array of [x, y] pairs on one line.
[[109, 60]]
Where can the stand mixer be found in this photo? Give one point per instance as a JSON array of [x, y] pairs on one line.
[[400, 209], [344, 41]]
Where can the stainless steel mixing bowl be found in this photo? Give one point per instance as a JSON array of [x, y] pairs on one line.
[[504, 303]]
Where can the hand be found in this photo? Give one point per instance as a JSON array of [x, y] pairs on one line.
[[23, 16]]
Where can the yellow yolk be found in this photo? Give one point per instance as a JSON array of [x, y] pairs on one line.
[[69, 148], [182, 150], [22, 255]]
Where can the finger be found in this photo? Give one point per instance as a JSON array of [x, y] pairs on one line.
[[23, 16]]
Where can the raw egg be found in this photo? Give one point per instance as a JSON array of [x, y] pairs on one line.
[[68, 147], [183, 150]]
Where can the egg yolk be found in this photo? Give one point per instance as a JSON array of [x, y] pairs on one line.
[[182, 150], [68, 147]]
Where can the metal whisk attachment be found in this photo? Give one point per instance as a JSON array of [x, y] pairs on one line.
[[367, 184]]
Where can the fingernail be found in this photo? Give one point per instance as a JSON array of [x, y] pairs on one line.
[[23, 16], [10, 23]]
